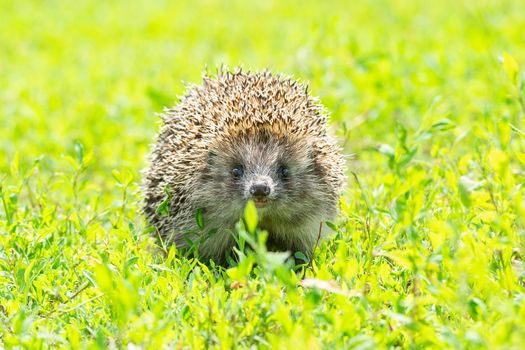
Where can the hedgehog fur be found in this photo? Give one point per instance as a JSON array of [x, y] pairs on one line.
[[241, 136]]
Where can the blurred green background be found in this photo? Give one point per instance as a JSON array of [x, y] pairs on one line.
[[427, 95], [98, 71]]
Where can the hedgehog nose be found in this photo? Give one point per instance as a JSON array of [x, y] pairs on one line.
[[260, 190]]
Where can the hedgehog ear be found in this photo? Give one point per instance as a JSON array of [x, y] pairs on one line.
[[312, 154]]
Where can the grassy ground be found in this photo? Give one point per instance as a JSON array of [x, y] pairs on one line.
[[429, 245]]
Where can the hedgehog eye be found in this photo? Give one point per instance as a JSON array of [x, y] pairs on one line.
[[237, 171], [283, 171]]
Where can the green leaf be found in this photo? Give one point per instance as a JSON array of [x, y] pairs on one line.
[[250, 217], [300, 255], [163, 208], [331, 225], [123, 177], [79, 152], [199, 218], [442, 125], [27, 273]]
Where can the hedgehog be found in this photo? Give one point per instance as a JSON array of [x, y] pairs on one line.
[[236, 137]]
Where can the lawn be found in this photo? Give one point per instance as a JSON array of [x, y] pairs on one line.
[[427, 252]]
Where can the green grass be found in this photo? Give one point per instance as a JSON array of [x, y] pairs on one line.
[[429, 245]]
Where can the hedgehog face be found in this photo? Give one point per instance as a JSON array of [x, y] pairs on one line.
[[275, 173]]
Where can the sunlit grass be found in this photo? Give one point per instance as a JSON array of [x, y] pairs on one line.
[[428, 97]]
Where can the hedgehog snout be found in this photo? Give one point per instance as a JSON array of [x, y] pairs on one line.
[[260, 188]]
